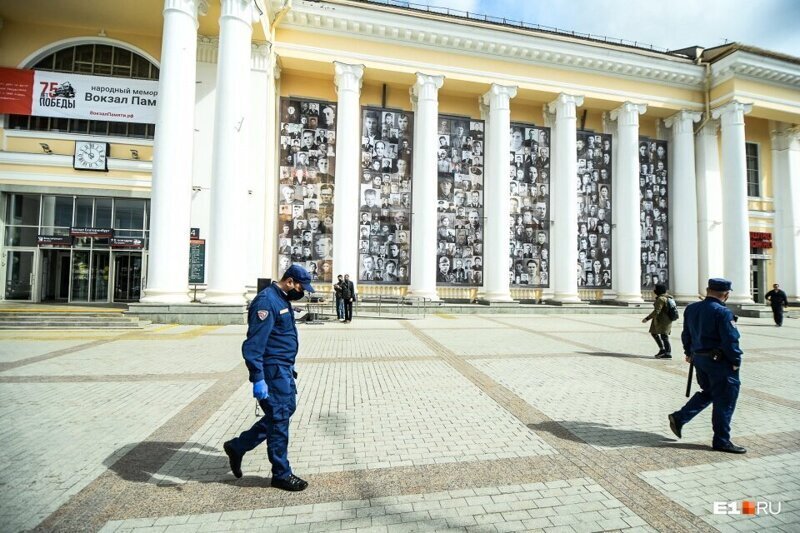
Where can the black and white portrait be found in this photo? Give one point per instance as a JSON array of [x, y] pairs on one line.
[[459, 255], [385, 196], [594, 267], [654, 212], [305, 192], [529, 214]]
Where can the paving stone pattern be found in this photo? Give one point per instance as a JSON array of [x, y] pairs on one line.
[[455, 423]]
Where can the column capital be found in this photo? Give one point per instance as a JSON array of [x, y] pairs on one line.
[[499, 96], [710, 128], [564, 106], [628, 113], [426, 87], [347, 77], [785, 137], [261, 56], [731, 113], [192, 8], [207, 49], [241, 10], [549, 116], [681, 122]]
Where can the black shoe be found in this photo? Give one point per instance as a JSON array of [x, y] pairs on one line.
[[730, 448], [674, 426], [291, 483], [663, 356], [235, 459]]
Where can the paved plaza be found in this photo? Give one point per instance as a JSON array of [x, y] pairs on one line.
[[451, 423]]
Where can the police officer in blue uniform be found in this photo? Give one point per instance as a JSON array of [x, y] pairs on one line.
[[711, 342], [269, 353]]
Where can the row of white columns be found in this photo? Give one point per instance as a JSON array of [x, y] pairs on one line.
[[706, 240]]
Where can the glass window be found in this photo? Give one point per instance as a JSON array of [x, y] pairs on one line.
[[57, 211], [129, 214], [23, 209], [21, 235], [83, 212], [102, 215], [753, 181]]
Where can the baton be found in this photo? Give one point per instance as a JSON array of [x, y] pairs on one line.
[[689, 381]]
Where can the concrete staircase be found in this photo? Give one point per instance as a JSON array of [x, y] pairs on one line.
[[27, 319]]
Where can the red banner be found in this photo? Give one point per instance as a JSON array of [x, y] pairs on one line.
[[759, 239], [16, 91]]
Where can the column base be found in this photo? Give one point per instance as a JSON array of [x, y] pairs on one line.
[[156, 296], [628, 298], [740, 300], [686, 299], [752, 310], [432, 296], [225, 297], [565, 299], [495, 297]]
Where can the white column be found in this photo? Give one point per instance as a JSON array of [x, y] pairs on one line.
[[425, 99], [564, 200], [625, 193], [709, 206], [230, 162], [496, 193], [348, 143], [736, 226], [683, 207], [786, 191], [171, 196]]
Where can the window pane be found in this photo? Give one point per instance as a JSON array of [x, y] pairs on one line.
[[23, 209], [64, 59], [122, 57], [84, 53], [78, 126], [57, 211], [83, 212], [45, 64], [118, 128], [129, 214], [102, 70], [21, 235], [102, 218], [18, 122], [102, 54], [98, 127], [83, 68]]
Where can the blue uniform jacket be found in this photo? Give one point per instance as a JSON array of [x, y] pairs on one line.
[[708, 325], [271, 332]]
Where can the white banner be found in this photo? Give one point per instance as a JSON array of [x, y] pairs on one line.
[[64, 95]]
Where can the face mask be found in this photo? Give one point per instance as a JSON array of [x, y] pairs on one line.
[[294, 294]]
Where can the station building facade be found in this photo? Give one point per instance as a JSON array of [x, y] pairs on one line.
[[425, 153]]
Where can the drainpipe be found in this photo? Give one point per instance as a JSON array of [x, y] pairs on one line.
[[287, 5], [706, 91]]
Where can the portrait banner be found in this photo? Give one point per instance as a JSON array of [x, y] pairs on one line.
[[654, 212], [595, 268]]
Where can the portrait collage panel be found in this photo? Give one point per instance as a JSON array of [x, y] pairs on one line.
[[305, 200], [654, 212], [459, 239], [529, 230], [594, 268], [384, 245]]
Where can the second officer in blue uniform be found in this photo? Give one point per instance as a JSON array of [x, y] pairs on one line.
[[269, 352], [711, 342]]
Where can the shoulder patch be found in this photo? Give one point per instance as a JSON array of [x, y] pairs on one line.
[[262, 314]]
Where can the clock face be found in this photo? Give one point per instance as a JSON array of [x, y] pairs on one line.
[[90, 155]]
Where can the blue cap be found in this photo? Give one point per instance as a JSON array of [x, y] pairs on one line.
[[300, 275], [719, 284]]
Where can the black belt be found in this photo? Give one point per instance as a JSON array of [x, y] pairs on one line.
[[715, 355]]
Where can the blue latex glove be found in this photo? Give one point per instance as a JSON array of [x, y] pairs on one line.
[[260, 390]]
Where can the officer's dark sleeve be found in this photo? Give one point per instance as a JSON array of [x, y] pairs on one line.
[[729, 337], [686, 336], [258, 331]]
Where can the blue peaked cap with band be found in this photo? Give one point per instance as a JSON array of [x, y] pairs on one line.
[[300, 275], [719, 284]]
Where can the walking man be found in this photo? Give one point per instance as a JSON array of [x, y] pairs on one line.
[[349, 296], [269, 353], [337, 288], [661, 325], [777, 300], [711, 343]]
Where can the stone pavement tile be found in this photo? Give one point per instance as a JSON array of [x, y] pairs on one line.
[[140, 356], [16, 350], [551, 323], [611, 403], [453, 322], [57, 438], [498, 342], [397, 517], [324, 343], [773, 478], [356, 415], [773, 377]]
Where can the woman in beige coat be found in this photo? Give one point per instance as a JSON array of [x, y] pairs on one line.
[[661, 324]]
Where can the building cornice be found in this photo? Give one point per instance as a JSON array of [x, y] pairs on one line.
[[507, 43], [65, 161], [741, 64]]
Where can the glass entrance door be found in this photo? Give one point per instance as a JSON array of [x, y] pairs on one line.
[[101, 262], [20, 268], [127, 276], [55, 275]]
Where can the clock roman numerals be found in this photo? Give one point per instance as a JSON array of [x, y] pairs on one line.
[[91, 155]]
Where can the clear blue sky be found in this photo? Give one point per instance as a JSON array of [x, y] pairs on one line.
[[672, 24]]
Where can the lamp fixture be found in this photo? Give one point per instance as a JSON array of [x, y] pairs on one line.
[[46, 148], [134, 154]]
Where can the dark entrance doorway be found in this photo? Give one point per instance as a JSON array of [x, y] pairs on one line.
[[55, 275], [127, 276]]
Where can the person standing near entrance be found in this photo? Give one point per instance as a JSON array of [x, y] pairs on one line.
[[711, 343], [337, 288], [661, 325], [269, 352], [348, 296], [778, 301]]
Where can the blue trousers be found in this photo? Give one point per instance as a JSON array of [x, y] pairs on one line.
[[339, 308], [274, 425], [719, 386]]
